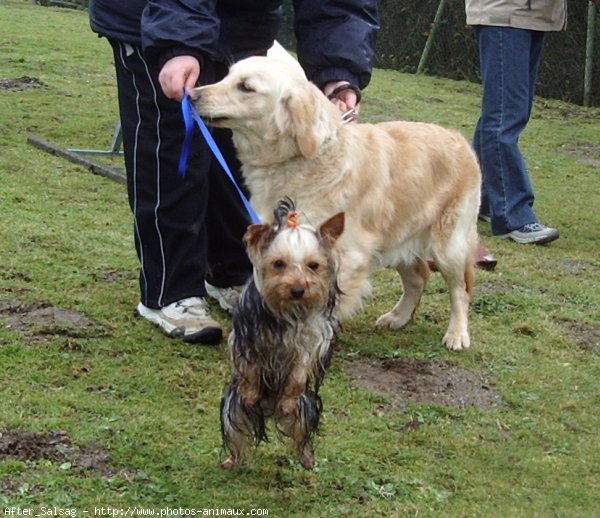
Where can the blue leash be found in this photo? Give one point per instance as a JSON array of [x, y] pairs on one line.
[[190, 115]]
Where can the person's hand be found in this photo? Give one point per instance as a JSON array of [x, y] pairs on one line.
[[346, 99], [178, 74]]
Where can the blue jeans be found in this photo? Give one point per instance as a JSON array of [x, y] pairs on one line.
[[509, 62]]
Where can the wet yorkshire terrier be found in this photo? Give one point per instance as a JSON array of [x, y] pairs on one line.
[[283, 329]]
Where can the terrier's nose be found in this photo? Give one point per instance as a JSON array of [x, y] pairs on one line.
[[297, 292]]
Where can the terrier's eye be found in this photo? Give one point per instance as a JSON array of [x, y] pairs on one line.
[[245, 87], [314, 266], [279, 264]]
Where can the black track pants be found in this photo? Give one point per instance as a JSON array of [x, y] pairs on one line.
[[186, 230]]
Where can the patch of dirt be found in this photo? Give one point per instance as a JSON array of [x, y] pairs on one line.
[[584, 335], [586, 153], [11, 274], [571, 266], [492, 288], [439, 382], [20, 83], [113, 276], [11, 486], [41, 322], [55, 446]]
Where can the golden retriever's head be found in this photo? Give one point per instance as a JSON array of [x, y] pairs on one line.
[[275, 113]]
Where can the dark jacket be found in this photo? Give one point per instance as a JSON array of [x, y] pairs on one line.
[[335, 39]]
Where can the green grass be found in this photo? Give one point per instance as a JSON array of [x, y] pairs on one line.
[[152, 403]]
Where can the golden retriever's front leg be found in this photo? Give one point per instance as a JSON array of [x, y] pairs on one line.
[[414, 279], [457, 337], [354, 284]]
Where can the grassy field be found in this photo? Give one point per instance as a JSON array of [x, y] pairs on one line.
[[99, 410]]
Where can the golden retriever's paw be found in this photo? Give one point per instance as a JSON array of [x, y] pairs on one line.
[[392, 320], [457, 341]]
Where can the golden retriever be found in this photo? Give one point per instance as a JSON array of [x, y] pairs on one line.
[[410, 190]]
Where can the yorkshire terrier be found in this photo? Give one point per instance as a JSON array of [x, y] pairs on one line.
[[282, 335]]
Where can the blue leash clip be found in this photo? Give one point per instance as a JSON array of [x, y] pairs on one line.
[[191, 116]]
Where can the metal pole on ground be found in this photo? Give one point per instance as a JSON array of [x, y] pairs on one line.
[[431, 37], [589, 54]]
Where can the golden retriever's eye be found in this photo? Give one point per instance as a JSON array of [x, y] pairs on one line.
[[314, 266], [279, 264], [245, 87]]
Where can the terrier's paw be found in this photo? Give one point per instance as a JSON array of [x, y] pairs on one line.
[[288, 405], [307, 457], [249, 396], [230, 463]]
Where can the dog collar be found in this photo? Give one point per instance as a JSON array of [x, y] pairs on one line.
[[349, 116]]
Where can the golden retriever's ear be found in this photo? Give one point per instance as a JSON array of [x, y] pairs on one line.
[[297, 119]]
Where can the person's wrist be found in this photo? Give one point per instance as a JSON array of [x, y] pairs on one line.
[[334, 92]]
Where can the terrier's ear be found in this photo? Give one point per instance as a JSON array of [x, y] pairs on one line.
[[332, 229], [257, 238]]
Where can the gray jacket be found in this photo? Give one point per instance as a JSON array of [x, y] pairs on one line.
[[536, 15]]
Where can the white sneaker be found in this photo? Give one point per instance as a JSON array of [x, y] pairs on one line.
[[188, 319], [226, 297]]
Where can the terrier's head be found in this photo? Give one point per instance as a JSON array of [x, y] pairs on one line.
[[295, 265]]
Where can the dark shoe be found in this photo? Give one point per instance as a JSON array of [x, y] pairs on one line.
[[484, 259], [432, 266], [534, 233]]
